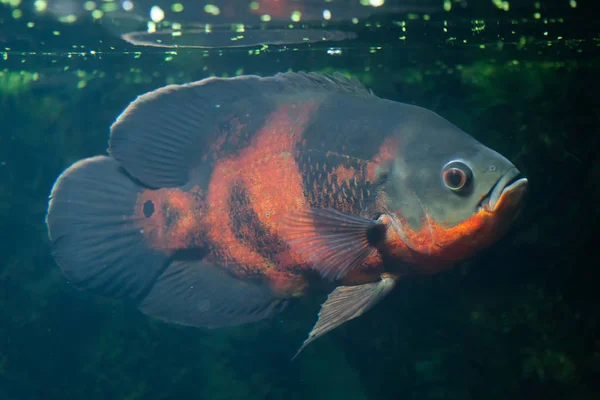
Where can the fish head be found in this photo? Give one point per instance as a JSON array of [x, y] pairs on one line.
[[445, 194]]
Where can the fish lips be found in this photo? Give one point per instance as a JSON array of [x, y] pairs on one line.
[[507, 193]]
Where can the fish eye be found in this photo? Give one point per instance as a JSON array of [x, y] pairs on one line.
[[456, 175]]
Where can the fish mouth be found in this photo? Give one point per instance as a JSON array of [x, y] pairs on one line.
[[509, 190]]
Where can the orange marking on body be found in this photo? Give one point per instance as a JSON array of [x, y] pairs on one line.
[[369, 271], [268, 171], [434, 247], [287, 285], [387, 151], [175, 219], [271, 175], [232, 136], [217, 218], [344, 174]]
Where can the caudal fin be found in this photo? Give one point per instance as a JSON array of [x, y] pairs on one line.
[[93, 232]]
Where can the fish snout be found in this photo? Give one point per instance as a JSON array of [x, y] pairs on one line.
[[507, 194]]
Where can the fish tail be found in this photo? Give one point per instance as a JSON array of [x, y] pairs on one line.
[[93, 232]]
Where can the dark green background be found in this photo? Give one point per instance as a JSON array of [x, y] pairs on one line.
[[520, 320]]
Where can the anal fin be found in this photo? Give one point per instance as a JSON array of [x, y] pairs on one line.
[[196, 293], [346, 303]]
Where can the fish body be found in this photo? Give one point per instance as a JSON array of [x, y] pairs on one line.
[[303, 152], [222, 199]]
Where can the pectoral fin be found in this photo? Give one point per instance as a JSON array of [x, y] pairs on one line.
[[346, 303], [335, 243]]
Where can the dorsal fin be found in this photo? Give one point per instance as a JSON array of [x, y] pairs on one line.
[[161, 135], [335, 83]]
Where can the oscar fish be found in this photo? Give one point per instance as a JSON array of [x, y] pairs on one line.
[[221, 201]]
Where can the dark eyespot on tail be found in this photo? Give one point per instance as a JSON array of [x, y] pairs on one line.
[[94, 237], [196, 293], [161, 135], [335, 243], [148, 208]]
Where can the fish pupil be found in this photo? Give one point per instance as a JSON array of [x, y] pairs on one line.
[[455, 178], [148, 208]]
